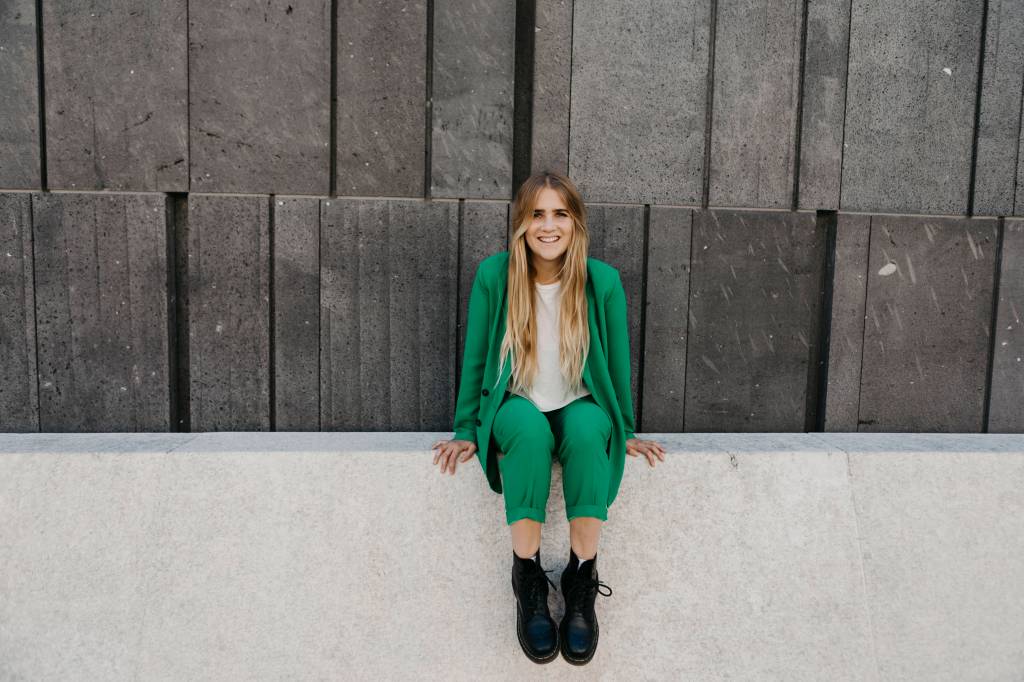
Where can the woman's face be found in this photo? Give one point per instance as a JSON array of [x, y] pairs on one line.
[[550, 228]]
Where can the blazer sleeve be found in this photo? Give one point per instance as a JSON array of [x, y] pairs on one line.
[[474, 356], [618, 354]]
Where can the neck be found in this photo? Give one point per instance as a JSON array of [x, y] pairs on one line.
[[547, 273]]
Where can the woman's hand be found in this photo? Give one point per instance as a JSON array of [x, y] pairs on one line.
[[450, 452], [647, 448]]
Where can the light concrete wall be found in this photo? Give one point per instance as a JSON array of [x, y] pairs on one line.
[[348, 556]]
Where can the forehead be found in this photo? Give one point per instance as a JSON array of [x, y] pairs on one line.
[[549, 199]]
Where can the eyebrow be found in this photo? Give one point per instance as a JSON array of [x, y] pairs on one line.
[[557, 210]]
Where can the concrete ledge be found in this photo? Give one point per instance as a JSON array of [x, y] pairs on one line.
[[224, 556]]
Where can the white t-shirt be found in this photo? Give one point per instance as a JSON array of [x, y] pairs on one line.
[[550, 389]]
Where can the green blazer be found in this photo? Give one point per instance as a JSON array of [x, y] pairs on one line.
[[606, 372]]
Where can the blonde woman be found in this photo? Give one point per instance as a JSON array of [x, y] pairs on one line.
[[545, 375]]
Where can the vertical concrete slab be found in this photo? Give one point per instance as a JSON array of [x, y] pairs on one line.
[[639, 88], [116, 95], [552, 70], [388, 324], [229, 312], [617, 238], [929, 314], [101, 311], [846, 334], [259, 96], [296, 313], [482, 233], [753, 129], [911, 95], [473, 88], [381, 90], [754, 308], [824, 103], [1006, 408], [19, 107], [19, 397], [665, 332], [999, 123]]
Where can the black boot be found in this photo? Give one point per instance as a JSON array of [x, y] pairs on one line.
[[578, 629], [537, 632]]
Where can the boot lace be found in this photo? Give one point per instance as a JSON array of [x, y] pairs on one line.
[[535, 597], [585, 588]]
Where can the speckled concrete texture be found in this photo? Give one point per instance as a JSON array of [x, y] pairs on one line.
[[1006, 410], [19, 107], [639, 93], [18, 386], [348, 556]]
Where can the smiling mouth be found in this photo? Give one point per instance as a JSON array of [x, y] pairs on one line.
[[549, 240]]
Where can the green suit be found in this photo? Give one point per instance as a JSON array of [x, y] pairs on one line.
[[606, 373]]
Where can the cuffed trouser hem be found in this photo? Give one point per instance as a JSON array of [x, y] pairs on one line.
[[599, 511], [519, 513]]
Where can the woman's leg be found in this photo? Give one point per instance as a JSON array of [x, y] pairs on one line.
[[523, 434], [582, 430]]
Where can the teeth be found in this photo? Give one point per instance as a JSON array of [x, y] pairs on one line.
[[549, 240]]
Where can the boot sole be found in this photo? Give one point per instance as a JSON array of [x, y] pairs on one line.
[[522, 642], [564, 646]]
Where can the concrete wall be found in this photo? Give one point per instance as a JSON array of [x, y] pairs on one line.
[[817, 221]]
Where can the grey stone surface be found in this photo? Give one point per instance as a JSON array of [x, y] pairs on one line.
[[388, 314], [296, 311], [999, 122], [229, 312], [639, 91], [552, 65], [753, 130], [19, 107], [19, 394], [824, 103], [617, 238], [116, 95], [929, 314], [1006, 407], [259, 96], [755, 302], [101, 311], [940, 522], [913, 75], [267, 556], [473, 88], [846, 337], [381, 89], [667, 307], [483, 232]]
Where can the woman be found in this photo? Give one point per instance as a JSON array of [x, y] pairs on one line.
[[546, 374]]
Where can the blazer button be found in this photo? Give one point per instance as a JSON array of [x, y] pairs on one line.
[[486, 392], [479, 423]]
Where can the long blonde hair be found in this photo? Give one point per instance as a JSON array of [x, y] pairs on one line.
[[520, 337]]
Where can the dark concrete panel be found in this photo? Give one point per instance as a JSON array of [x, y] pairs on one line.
[[999, 124], [473, 88], [639, 89], [552, 62], [668, 296], [928, 316], [229, 312], [617, 238], [755, 298], [824, 103], [101, 311], [19, 398], [911, 93], [382, 54], [259, 94], [1006, 407], [483, 232], [19, 107], [753, 130], [116, 95], [388, 317], [296, 311], [846, 336]]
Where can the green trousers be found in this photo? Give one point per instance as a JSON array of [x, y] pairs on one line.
[[578, 433]]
